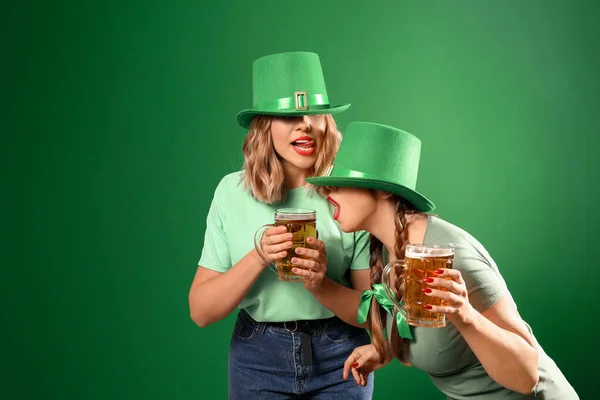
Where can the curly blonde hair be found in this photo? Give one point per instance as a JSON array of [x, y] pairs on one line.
[[263, 170]]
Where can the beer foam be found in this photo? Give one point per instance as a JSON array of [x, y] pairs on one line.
[[291, 214], [428, 251]]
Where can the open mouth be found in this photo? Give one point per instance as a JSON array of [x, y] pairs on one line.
[[304, 145], [336, 213]]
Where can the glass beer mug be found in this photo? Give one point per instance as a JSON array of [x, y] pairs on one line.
[[420, 262], [298, 221]]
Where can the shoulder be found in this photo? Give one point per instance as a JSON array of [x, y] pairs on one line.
[[230, 191], [233, 179], [440, 231], [481, 274], [443, 233], [230, 184]]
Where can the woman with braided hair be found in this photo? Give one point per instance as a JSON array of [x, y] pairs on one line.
[[485, 350]]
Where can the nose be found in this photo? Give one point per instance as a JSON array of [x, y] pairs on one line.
[[305, 124]]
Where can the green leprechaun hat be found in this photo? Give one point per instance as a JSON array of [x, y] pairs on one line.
[[375, 156], [288, 84]]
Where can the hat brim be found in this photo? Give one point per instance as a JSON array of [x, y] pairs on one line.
[[244, 117], [420, 202]]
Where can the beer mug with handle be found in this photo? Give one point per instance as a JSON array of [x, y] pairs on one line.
[[421, 261], [302, 223]]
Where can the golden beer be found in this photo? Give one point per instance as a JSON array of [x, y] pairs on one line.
[[421, 262], [302, 223]]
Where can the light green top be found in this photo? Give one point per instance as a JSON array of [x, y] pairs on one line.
[[233, 219], [446, 356]]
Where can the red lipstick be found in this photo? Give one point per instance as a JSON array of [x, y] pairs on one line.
[[336, 213]]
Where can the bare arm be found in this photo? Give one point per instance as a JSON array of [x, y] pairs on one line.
[[497, 336], [503, 345], [337, 298], [214, 295], [344, 301]]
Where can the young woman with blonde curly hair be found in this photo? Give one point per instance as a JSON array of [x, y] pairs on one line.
[[285, 343]]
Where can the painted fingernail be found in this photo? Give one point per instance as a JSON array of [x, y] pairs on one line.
[[354, 365], [439, 271], [428, 280], [428, 307], [426, 290]]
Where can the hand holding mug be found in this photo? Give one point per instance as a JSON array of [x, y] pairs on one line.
[[275, 243], [453, 293], [313, 269], [421, 277]]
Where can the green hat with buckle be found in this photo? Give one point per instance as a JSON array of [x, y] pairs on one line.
[[375, 156], [288, 84]]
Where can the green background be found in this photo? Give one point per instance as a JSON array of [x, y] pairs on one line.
[[118, 121]]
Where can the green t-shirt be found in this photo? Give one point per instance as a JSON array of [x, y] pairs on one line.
[[445, 355], [233, 219]]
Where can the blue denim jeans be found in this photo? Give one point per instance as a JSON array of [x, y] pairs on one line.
[[269, 362]]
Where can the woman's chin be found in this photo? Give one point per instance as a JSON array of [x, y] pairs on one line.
[[344, 227]]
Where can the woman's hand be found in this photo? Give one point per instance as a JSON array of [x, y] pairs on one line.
[[312, 270], [455, 298], [362, 362], [275, 243]]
